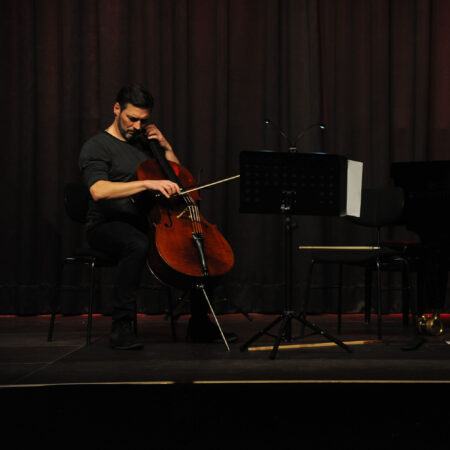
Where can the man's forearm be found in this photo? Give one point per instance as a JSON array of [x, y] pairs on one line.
[[104, 189], [170, 156]]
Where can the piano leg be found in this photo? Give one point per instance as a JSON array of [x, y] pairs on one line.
[[431, 286]]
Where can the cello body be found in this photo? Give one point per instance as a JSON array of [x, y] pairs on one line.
[[174, 257]]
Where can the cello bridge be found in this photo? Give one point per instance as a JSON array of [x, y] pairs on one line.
[[185, 210]]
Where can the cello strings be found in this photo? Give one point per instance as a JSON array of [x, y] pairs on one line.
[[193, 214]]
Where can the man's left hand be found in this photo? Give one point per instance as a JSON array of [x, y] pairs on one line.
[[152, 132]]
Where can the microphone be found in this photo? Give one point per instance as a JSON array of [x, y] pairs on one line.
[[302, 133], [277, 128], [293, 146]]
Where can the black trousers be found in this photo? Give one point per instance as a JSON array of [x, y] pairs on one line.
[[128, 244]]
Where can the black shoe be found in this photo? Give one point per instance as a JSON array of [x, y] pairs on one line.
[[205, 331], [122, 336]]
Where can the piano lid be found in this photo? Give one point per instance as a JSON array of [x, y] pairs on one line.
[[427, 194], [422, 175]]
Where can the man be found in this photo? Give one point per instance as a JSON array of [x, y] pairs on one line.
[[108, 162]]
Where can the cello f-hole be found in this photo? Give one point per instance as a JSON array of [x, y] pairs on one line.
[[169, 216]]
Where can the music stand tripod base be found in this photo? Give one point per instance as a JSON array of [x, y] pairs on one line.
[[285, 318]]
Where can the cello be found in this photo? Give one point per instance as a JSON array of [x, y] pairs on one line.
[[185, 250]]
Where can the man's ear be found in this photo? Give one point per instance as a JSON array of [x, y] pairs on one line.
[[116, 109]]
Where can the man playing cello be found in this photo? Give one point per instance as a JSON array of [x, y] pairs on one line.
[[108, 162]]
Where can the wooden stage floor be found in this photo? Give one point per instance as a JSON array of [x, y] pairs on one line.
[[206, 392]]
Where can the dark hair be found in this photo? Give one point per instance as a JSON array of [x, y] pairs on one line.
[[135, 94]]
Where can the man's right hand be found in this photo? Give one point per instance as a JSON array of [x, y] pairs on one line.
[[166, 187]]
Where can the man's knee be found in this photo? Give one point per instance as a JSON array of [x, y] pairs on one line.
[[137, 245]]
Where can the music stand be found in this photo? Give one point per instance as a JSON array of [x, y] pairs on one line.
[[292, 184]]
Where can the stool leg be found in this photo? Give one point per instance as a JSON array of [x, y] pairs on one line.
[[406, 287], [56, 300], [172, 319], [379, 298], [91, 301], [307, 296], [339, 308], [368, 294]]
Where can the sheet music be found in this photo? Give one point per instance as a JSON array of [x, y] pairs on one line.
[[354, 186]]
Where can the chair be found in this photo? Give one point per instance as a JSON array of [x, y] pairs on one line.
[[76, 198], [379, 208]]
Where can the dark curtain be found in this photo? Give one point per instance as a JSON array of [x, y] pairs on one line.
[[376, 72]]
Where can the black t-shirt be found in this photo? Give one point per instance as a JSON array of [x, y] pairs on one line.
[[104, 157]]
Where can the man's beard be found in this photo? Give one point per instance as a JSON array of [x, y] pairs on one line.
[[129, 137]]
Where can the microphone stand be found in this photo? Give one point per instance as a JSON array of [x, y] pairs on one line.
[[293, 145]]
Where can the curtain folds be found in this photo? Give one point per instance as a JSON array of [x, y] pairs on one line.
[[375, 72]]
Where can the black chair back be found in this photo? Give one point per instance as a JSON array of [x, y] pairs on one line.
[[76, 200], [380, 207]]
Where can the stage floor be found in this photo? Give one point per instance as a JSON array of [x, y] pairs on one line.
[[205, 392], [27, 358]]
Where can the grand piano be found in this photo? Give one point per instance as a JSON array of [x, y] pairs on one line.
[[426, 212]]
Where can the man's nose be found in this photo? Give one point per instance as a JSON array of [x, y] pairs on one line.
[[137, 125]]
